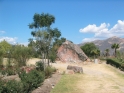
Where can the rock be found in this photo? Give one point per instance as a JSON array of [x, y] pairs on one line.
[[76, 69], [69, 52], [69, 72]]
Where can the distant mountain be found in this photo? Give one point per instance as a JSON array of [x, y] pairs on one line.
[[106, 44]]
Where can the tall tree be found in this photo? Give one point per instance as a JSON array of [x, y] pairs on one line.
[[44, 35], [115, 47]]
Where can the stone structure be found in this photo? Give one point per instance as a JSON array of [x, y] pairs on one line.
[[69, 52], [76, 69]]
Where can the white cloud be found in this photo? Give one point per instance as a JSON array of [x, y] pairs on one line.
[[103, 31], [2, 32], [93, 28], [9, 39]]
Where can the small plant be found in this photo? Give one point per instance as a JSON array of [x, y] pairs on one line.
[[13, 86], [48, 71], [1, 86], [31, 80], [40, 66], [9, 71]]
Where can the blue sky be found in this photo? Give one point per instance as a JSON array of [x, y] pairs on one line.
[[78, 20]]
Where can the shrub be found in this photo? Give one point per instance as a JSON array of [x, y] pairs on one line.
[[9, 71], [118, 63], [1, 86], [113, 62], [122, 66], [40, 66], [13, 86], [48, 71], [31, 80]]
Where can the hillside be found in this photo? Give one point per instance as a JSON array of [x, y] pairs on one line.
[[104, 44]]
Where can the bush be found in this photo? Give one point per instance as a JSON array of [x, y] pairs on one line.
[[1, 86], [9, 71], [31, 80], [113, 62], [118, 63], [13, 86], [40, 66], [122, 66], [48, 71]]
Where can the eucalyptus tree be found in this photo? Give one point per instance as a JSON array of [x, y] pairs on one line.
[[115, 47], [43, 34]]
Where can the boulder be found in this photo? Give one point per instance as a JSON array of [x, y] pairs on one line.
[[69, 52], [76, 69], [69, 72]]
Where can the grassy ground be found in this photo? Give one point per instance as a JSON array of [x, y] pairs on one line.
[[67, 84], [97, 78]]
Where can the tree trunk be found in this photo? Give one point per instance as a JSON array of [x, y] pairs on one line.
[[115, 52]]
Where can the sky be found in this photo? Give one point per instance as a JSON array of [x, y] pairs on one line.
[[78, 20]]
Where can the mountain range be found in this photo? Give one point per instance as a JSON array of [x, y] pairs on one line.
[[106, 44]]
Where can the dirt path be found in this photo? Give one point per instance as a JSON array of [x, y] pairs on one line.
[[97, 78]]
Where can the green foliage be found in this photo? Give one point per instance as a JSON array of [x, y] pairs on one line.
[[5, 47], [115, 47], [21, 54], [88, 47], [13, 86], [48, 71], [40, 66], [2, 86], [107, 52], [68, 84], [52, 55], [44, 35], [9, 71], [1, 57], [31, 80], [118, 63]]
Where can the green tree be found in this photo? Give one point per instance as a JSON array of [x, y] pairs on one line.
[[115, 47], [88, 47], [44, 35], [4, 50], [21, 54], [5, 47], [95, 52], [107, 52]]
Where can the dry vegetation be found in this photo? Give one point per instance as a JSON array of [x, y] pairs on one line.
[[97, 78]]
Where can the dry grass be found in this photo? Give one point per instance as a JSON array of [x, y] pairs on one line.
[[97, 78]]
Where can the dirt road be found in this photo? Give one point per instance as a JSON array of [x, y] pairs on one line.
[[97, 78]]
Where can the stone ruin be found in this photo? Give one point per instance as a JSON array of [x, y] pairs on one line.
[[69, 52]]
